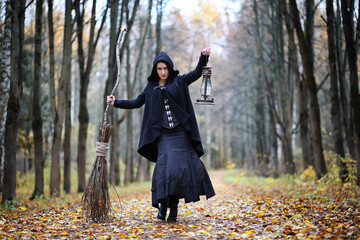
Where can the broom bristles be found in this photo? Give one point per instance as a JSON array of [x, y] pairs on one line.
[[96, 199]]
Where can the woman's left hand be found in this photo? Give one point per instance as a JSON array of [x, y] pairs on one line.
[[206, 51]]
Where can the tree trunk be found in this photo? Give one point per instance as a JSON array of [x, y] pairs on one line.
[[51, 61], [37, 118], [5, 61], [138, 73], [83, 113], [115, 162], [54, 148], [261, 154], [129, 22], [55, 156], [55, 178], [129, 159], [347, 9], [273, 135], [284, 91], [302, 99], [208, 140], [140, 168], [17, 12], [114, 173], [82, 136], [251, 140], [262, 157], [115, 141], [343, 86], [273, 146], [335, 102], [306, 56], [149, 52], [67, 137], [141, 160], [159, 14], [129, 168], [147, 175], [84, 82]]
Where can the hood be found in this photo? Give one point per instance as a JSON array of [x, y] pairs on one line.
[[163, 57]]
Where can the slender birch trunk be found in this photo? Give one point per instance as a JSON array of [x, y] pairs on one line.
[[5, 78]]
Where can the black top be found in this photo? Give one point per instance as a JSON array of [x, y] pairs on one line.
[[169, 118]]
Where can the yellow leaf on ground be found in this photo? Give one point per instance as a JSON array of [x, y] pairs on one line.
[[250, 232], [22, 208], [260, 214]]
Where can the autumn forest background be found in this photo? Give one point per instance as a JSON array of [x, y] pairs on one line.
[[284, 78]]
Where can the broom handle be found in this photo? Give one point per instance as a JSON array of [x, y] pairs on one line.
[[122, 31]]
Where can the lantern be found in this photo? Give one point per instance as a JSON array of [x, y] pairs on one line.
[[206, 88]]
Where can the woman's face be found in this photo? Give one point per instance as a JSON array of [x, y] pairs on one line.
[[162, 71]]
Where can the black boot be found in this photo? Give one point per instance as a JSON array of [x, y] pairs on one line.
[[173, 209], [162, 212], [173, 214]]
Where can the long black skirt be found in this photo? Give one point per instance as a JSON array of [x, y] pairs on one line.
[[179, 172]]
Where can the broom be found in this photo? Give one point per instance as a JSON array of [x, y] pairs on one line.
[[96, 198]]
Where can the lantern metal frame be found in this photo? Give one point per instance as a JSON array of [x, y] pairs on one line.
[[206, 87]]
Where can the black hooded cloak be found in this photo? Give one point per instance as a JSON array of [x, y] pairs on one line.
[[178, 94]]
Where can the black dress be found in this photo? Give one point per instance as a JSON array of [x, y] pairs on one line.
[[176, 150], [178, 172]]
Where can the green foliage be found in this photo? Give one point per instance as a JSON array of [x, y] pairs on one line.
[[8, 206], [243, 176], [25, 181], [308, 176], [333, 169]]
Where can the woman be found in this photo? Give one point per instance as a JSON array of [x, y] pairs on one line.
[[170, 136]]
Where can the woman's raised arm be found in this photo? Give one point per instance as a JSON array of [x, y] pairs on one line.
[[196, 74]]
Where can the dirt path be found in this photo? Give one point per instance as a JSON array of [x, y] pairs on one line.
[[236, 212]]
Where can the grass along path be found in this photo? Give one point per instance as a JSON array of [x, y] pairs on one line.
[[238, 211]]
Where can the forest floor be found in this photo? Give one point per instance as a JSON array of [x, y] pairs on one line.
[[238, 211]]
